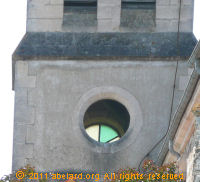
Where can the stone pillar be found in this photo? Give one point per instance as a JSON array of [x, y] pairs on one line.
[[44, 15], [23, 147], [195, 160], [108, 15], [167, 15]]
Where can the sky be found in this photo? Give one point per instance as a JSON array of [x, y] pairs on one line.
[[12, 29]]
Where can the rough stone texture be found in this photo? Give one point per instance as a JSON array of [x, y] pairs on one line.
[[54, 76], [190, 163], [82, 19], [108, 15], [137, 20], [44, 25], [109, 45], [167, 15], [193, 161], [181, 83], [59, 87], [24, 115], [182, 77], [44, 15], [47, 15], [22, 77], [137, 17], [196, 155]]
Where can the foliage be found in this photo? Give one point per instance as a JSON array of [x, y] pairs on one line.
[[27, 170], [150, 172]]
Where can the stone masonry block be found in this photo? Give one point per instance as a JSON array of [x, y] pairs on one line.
[[21, 75], [167, 12], [24, 114], [23, 150], [17, 163], [47, 11], [44, 25], [26, 82], [116, 14], [166, 25], [187, 13], [21, 69], [44, 15], [109, 3], [109, 12], [107, 25], [61, 2], [186, 26], [32, 3], [174, 2], [108, 15], [170, 12], [20, 131], [28, 150], [163, 2], [21, 96], [105, 12], [30, 135], [188, 2], [32, 95]]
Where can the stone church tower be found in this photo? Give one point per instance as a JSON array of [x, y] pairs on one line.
[[97, 81]]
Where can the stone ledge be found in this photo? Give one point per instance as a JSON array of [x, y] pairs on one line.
[[22, 79], [96, 45]]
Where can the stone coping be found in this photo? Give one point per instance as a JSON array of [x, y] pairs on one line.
[[65, 45]]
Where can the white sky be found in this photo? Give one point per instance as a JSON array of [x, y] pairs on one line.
[[12, 22]]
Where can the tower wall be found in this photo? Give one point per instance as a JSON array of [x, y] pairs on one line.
[[61, 68], [49, 16], [49, 107]]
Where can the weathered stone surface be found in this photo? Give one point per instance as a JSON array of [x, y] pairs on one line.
[[137, 20], [82, 19], [44, 15], [167, 15], [24, 115], [48, 15], [97, 45], [52, 76], [108, 15], [23, 80], [44, 25], [167, 12], [193, 167], [58, 144]]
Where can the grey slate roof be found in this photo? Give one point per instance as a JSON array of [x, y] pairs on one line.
[[97, 45]]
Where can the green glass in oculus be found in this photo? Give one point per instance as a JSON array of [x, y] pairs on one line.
[[106, 121], [102, 133]]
